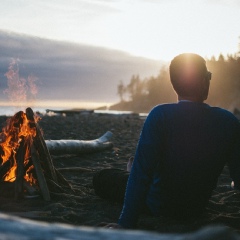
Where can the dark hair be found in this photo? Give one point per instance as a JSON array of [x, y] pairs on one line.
[[187, 86]]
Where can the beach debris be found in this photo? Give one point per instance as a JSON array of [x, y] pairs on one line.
[[25, 162], [61, 147]]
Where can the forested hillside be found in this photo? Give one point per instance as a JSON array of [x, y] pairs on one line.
[[140, 95]]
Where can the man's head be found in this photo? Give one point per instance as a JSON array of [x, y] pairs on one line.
[[190, 77]]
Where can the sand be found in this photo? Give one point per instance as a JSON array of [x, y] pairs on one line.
[[85, 208]]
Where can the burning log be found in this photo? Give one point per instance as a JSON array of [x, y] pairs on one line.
[[52, 176], [58, 147], [41, 146], [20, 169], [25, 160], [4, 169]]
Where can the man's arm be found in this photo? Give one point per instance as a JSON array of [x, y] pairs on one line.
[[147, 155]]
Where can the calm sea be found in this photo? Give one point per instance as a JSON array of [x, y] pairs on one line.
[[41, 106], [11, 110]]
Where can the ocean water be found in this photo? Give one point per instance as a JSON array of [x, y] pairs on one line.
[[11, 110]]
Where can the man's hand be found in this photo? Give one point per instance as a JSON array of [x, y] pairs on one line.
[[109, 225], [129, 164]]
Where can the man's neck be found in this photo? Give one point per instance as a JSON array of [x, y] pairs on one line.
[[189, 99], [184, 100]]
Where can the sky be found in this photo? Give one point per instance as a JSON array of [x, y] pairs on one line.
[[65, 71], [156, 29]]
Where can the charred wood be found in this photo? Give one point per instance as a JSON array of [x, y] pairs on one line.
[[20, 156], [40, 176]]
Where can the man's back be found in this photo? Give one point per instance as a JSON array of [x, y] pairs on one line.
[[197, 141]]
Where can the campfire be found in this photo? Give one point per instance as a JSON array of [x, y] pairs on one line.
[[25, 162]]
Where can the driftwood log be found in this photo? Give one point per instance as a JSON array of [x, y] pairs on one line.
[[58, 147], [22, 229]]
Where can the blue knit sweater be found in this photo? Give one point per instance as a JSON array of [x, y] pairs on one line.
[[181, 152]]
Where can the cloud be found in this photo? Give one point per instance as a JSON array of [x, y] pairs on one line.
[[71, 71]]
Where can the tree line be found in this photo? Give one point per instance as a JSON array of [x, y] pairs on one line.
[[140, 95]]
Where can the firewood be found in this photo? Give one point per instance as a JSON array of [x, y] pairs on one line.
[[7, 166], [41, 147], [4, 168], [20, 156], [14, 126], [40, 176], [58, 147]]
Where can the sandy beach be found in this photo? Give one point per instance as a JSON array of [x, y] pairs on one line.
[[84, 207]]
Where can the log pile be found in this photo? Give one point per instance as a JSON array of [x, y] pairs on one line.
[[27, 154]]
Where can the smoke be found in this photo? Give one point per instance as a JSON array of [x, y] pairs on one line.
[[19, 89]]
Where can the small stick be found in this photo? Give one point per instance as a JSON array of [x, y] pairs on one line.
[[54, 186], [75, 169], [63, 181], [68, 196]]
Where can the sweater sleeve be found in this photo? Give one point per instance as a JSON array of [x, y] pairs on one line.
[[146, 157]]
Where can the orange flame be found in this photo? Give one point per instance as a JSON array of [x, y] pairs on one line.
[[17, 128]]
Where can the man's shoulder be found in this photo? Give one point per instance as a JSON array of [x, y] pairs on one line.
[[159, 112], [173, 109], [225, 114], [164, 107]]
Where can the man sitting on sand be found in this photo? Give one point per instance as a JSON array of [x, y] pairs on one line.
[[181, 152]]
